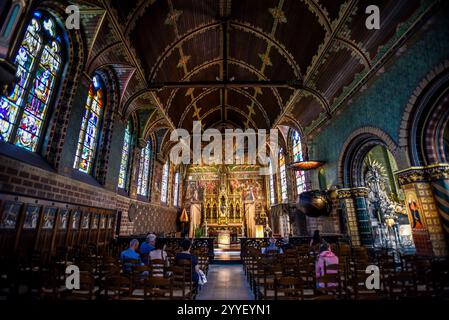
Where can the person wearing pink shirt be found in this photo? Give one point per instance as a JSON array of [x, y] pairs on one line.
[[325, 258]]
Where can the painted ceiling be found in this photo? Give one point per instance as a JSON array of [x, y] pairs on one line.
[[321, 44]]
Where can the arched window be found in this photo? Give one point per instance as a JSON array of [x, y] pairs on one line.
[[144, 170], [298, 156], [126, 156], [90, 127], [283, 176], [10, 19], [176, 190], [23, 113], [272, 190], [164, 188]]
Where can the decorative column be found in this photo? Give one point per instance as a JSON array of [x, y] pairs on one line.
[[350, 218], [135, 158], [439, 175], [423, 208], [360, 196], [354, 204]]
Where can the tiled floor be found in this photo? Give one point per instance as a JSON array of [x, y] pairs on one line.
[[226, 282]]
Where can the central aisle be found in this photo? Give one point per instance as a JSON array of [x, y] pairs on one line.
[[226, 282]]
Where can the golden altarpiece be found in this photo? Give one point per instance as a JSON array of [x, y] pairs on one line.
[[226, 201]]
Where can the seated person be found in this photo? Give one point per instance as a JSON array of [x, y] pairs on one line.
[[185, 254], [130, 257], [272, 247], [147, 246], [325, 258], [315, 243], [286, 244], [158, 254]]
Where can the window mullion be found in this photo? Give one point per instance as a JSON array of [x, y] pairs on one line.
[[26, 94]]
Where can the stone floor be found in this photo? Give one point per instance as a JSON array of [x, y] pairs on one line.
[[226, 282]]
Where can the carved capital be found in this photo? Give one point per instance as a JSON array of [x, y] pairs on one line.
[[423, 174]]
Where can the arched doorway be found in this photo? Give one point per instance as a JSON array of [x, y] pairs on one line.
[[386, 204]]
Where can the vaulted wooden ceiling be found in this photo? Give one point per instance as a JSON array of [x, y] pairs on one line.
[[246, 63]]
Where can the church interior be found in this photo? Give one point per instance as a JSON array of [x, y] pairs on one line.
[[94, 94]]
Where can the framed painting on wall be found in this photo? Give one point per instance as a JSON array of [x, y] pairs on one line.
[[76, 217], [85, 221], [64, 219], [31, 217], [10, 215], [49, 218]]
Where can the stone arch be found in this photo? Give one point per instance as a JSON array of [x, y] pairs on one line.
[[425, 118], [355, 149]]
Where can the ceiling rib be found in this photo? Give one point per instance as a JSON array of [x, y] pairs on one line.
[[327, 46], [126, 45]]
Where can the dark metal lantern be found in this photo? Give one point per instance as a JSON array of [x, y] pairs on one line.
[[314, 204]]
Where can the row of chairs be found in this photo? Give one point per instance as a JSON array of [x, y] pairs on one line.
[[291, 275], [102, 276]]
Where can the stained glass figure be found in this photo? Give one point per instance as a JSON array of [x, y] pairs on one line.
[[164, 188], [90, 127], [144, 170], [176, 190], [283, 176], [23, 112], [298, 156], [126, 155], [272, 190]]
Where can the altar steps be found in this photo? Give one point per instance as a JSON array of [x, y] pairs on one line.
[[227, 254]]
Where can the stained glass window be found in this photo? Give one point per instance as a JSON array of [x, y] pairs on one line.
[[144, 170], [23, 112], [164, 188], [176, 190], [272, 190], [298, 156], [283, 176], [90, 127], [126, 155]]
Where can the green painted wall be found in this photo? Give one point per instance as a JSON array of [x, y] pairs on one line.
[[383, 103]]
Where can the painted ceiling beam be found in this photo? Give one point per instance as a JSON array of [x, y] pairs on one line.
[[295, 84]]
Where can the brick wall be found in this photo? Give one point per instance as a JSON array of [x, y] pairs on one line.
[[23, 179]]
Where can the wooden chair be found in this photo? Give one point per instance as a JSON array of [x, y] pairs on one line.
[[179, 283], [87, 291], [289, 288], [157, 288], [190, 286], [402, 285], [158, 267], [117, 287]]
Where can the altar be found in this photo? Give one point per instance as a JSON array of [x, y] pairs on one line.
[[228, 205]]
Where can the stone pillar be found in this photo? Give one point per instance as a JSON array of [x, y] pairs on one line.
[[350, 215], [355, 206], [360, 196], [439, 175], [135, 158], [423, 208]]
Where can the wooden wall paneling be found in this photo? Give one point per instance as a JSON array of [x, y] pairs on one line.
[[9, 222], [75, 225], [85, 228], [61, 229], [46, 232], [29, 230]]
